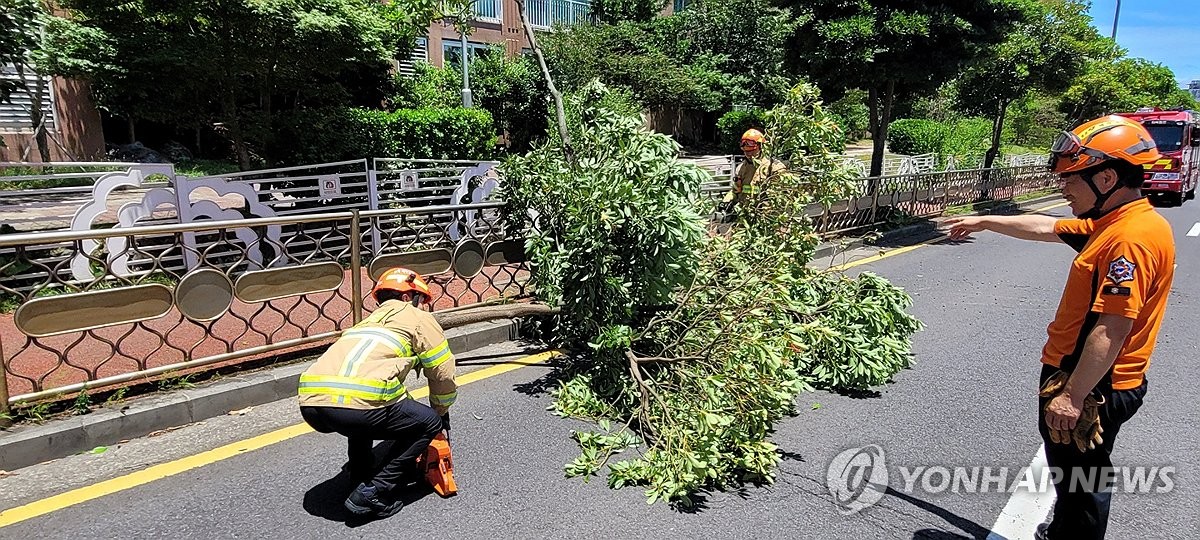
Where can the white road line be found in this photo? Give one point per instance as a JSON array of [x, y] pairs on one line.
[[1025, 509], [1195, 230]]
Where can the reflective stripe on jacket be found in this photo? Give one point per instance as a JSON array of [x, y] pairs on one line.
[[751, 174], [367, 366]]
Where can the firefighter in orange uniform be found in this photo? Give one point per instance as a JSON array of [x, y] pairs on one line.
[[1095, 360], [356, 389]]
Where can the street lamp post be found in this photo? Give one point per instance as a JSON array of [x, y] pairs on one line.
[[466, 89], [1116, 18]]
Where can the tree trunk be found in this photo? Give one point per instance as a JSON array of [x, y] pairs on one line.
[[199, 151], [132, 130], [235, 133], [37, 117], [997, 131], [881, 116]]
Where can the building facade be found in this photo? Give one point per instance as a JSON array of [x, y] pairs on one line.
[[72, 123], [497, 22]]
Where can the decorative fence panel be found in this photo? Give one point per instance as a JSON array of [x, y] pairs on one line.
[[253, 287]]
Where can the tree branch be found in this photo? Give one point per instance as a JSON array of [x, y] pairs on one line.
[[558, 100]]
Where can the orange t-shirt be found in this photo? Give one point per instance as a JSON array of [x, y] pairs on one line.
[[1125, 266]]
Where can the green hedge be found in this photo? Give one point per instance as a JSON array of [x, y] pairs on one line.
[[912, 136], [969, 137], [733, 124], [966, 138], [325, 135]]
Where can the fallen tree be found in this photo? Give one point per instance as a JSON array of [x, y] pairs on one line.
[[693, 343]]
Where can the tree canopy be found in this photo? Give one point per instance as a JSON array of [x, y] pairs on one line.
[[232, 64], [1046, 52], [894, 47]]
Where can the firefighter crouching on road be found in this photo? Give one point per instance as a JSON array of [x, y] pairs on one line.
[[356, 389], [752, 172], [1095, 360]]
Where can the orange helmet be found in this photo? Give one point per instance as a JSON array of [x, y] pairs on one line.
[[754, 135], [402, 280], [1107, 138]]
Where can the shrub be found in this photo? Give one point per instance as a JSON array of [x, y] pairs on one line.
[[733, 124], [510, 89], [851, 114], [324, 135], [968, 138], [916, 136]]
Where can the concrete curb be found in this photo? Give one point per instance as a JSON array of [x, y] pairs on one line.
[[28, 445], [828, 249]]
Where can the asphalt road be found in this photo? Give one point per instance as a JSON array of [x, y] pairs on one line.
[[968, 401]]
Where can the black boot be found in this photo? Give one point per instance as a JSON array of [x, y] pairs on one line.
[[366, 501]]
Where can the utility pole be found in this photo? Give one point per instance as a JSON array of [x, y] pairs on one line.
[[1116, 18]]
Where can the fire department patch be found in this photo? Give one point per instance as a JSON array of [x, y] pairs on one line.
[[1121, 270]]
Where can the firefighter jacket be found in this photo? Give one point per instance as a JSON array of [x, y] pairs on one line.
[[367, 366], [751, 174]]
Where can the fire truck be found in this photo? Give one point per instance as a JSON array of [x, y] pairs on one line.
[[1173, 178]]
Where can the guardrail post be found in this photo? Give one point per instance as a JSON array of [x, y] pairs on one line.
[[5, 419], [874, 197], [356, 300]]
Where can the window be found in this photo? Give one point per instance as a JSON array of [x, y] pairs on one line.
[[420, 53], [452, 52], [1168, 138], [14, 112], [680, 5], [487, 10]]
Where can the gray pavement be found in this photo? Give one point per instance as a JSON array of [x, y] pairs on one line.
[[968, 401]]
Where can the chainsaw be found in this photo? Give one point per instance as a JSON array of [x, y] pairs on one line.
[[438, 466]]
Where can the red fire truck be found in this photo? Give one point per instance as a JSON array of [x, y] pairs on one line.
[[1173, 178]]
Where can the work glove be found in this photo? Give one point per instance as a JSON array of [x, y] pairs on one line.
[[446, 421], [1087, 432]]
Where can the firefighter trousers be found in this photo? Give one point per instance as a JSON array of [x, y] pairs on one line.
[[408, 424], [1083, 495]]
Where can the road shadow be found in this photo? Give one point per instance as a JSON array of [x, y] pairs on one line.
[[973, 530], [550, 380], [859, 394], [938, 534], [327, 499], [790, 456]]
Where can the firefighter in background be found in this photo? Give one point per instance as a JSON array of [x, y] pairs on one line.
[[1095, 360], [356, 389], [752, 171]]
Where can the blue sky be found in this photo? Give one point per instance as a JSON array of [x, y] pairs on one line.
[[1163, 31]]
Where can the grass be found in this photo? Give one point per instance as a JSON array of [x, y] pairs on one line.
[[205, 167], [177, 383], [197, 167]]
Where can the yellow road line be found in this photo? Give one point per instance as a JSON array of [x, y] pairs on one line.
[[1049, 207], [906, 249], [171, 468], [884, 255]]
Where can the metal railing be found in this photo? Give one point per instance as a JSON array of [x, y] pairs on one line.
[[547, 13], [177, 304], [487, 10], [101, 307], [917, 195]]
